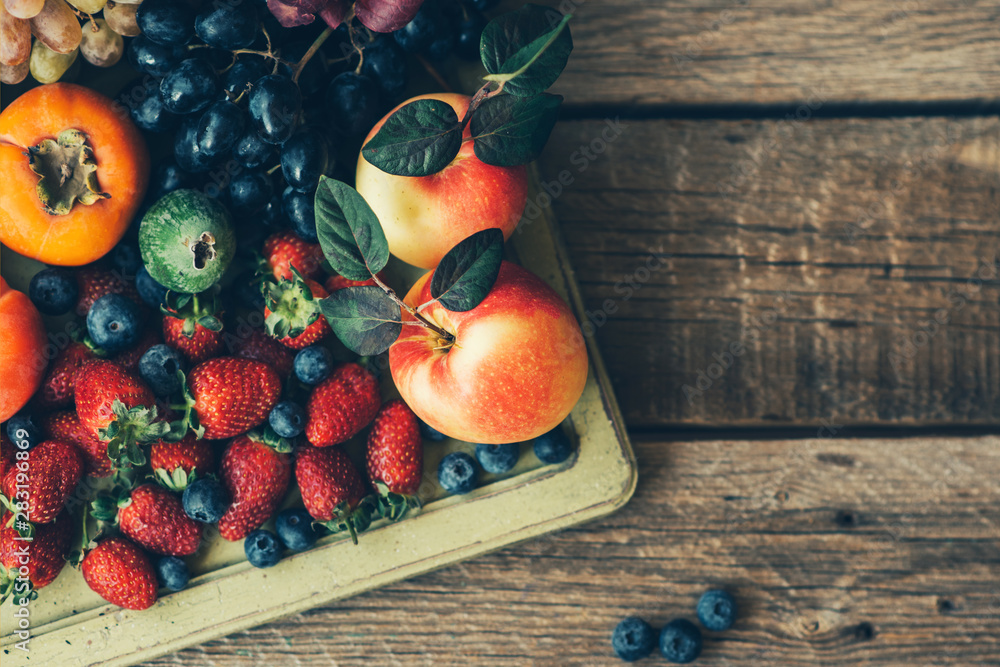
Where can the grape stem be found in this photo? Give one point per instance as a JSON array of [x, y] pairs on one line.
[[421, 320], [318, 42]]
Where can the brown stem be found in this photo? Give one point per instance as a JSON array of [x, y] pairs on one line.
[[434, 73], [318, 42], [422, 321], [481, 95]]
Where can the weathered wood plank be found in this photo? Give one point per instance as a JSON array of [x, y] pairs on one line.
[[745, 51], [841, 270], [840, 551]]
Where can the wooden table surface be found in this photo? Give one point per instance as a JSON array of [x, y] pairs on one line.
[[784, 218]]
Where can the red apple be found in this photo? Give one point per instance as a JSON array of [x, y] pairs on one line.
[[425, 217], [517, 366]]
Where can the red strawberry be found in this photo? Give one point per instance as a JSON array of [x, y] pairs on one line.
[[94, 282], [46, 480], [292, 313], [121, 573], [60, 379], [66, 425], [259, 346], [42, 555], [338, 282], [332, 489], [200, 345], [7, 450], [284, 249], [154, 518], [341, 405], [395, 449], [129, 359], [174, 462], [232, 395], [256, 477]]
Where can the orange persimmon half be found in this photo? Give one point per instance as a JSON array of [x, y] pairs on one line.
[[91, 160], [22, 350]]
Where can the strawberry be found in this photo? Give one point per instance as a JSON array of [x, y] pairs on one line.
[[46, 479], [332, 489], [119, 571], [257, 345], [94, 282], [395, 457], [176, 463], [154, 518], [66, 425], [42, 555], [232, 395], [256, 476], [341, 405], [114, 405], [129, 359], [292, 312], [7, 450], [338, 282], [285, 249], [59, 383], [192, 324]]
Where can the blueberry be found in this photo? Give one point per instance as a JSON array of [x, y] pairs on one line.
[[262, 548], [717, 610], [251, 151], [152, 293], [205, 500], [498, 459], [274, 103], [166, 21], [22, 428], [431, 433], [189, 87], [158, 366], [298, 210], [172, 573], [244, 72], [250, 191], [303, 160], [228, 25], [553, 447], [295, 529], [152, 115], [113, 323], [680, 641], [633, 638], [385, 64], [126, 259], [353, 104], [154, 59], [287, 418], [53, 291], [457, 473], [313, 364], [219, 128]]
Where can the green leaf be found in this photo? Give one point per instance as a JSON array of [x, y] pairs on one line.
[[466, 274], [365, 319], [510, 130], [526, 49], [420, 139], [349, 232]]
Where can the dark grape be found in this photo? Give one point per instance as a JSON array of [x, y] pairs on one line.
[[152, 115], [353, 103], [482, 5], [228, 26], [166, 21], [166, 177], [250, 191], [417, 35], [272, 216], [219, 59], [246, 70], [304, 160], [385, 64], [220, 128], [274, 105], [251, 151], [298, 209], [154, 59], [189, 157], [470, 32], [312, 78], [189, 87]]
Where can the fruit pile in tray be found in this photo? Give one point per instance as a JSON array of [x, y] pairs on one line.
[[201, 338]]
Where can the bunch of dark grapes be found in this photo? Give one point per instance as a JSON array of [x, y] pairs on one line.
[[256, 113]]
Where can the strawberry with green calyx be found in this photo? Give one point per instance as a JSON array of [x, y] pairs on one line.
[[118, 570], [291, 308], [42, 551], [152, 517], [286, 249], [192, 324], [226, 397], [256, 476], [342, 405], [177, 464], [116, 406], [59, 384], [66, 425], [395, 459], [46, 481], [332, 490]]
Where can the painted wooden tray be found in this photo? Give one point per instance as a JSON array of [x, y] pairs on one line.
[[71, 626]]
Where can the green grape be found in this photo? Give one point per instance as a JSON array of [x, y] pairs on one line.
[[101, 46], [13, 74], [46, 65], [15, 39], [121, 18], [24, 9], [88, 6], [57, 27]]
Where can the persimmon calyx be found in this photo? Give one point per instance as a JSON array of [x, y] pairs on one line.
[[67, 172]]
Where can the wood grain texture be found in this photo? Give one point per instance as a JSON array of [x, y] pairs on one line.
[[638, 52], [777, 272], [839, 551]]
